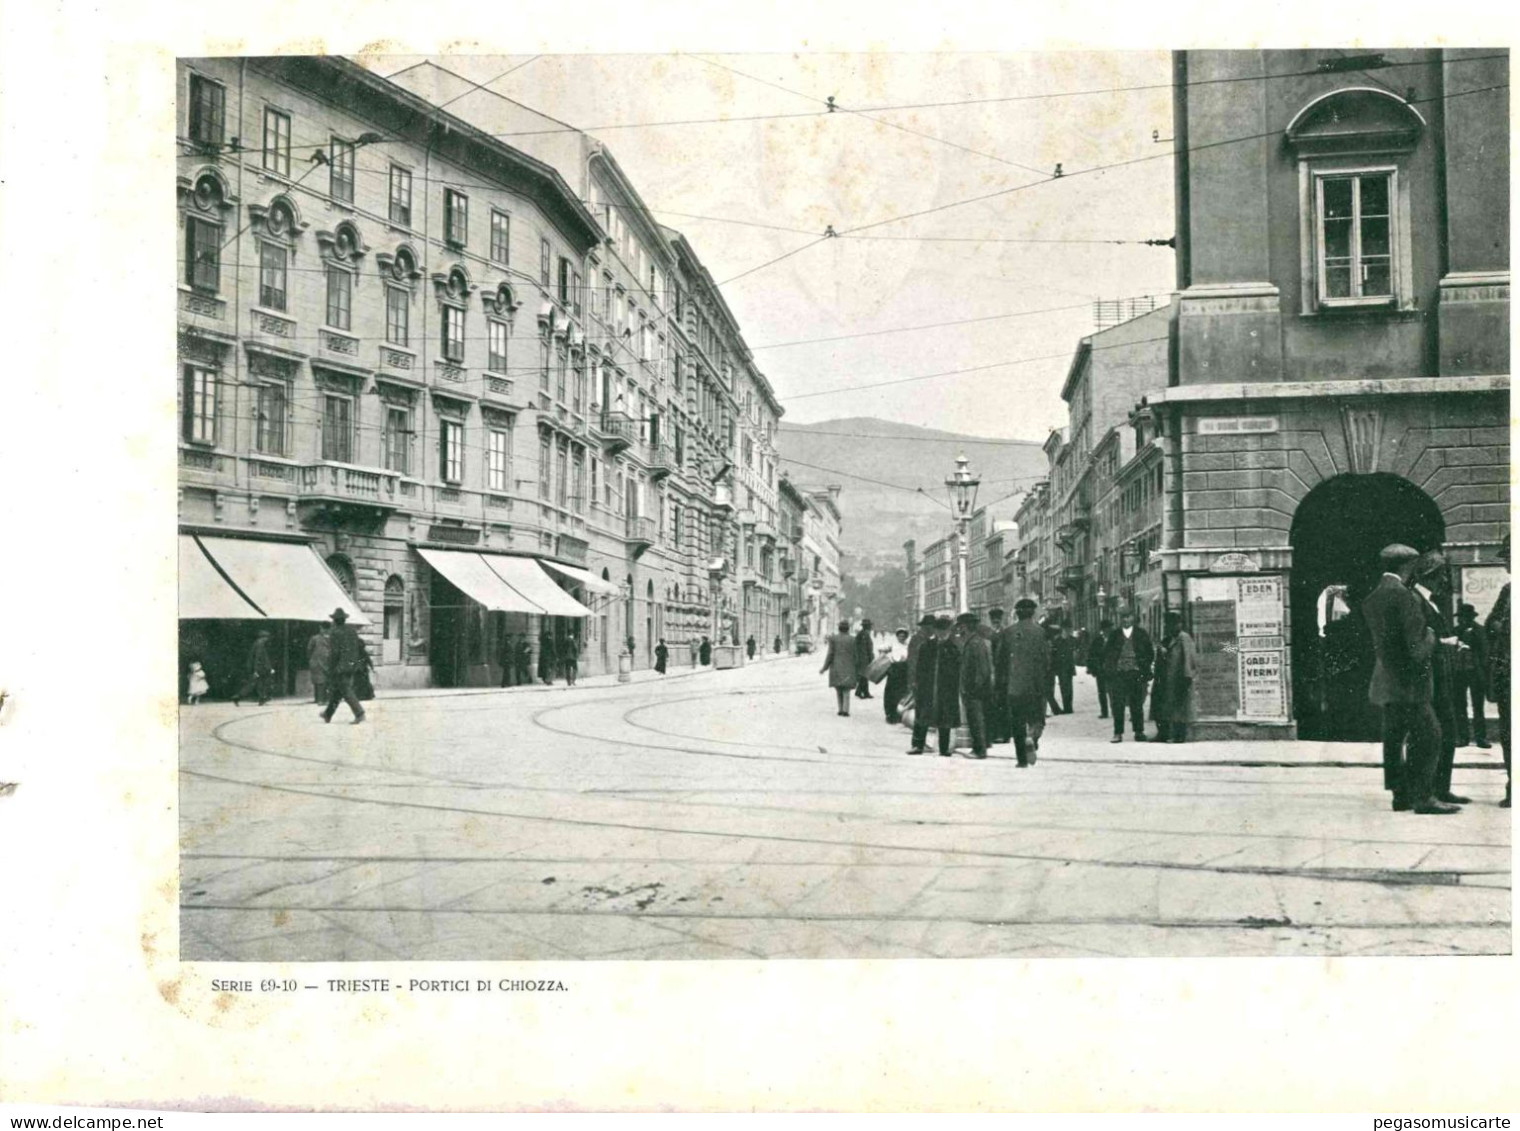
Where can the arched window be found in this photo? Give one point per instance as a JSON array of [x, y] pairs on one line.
[[343, 570]]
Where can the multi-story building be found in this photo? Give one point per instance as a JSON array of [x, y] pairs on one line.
[[1342, 358], [939, 576], [791, 511], [496, 399], [1036, 546], [821, 528]]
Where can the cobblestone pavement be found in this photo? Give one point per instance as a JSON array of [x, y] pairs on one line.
[[735, 815]]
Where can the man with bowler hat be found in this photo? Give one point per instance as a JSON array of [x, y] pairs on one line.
[[1432, 581], [1401, 684], [997, 705], [346, 658]]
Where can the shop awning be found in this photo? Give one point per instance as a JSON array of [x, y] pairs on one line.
[[285, 579], [468, 573], [591, 581], [528, 578], [203, 593]]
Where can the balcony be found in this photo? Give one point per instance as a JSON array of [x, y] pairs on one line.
[[342, 490], [641, 533], [1071, 577], [745, 517], [723, 498], [662, 461], [618, 431], [764, 529]]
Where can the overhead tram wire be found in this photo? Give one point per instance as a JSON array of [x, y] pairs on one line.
[[1065, 176], [863, 478], [1035, 97], [830, 104]]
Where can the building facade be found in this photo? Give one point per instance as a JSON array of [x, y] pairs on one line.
[[1342, 360], [501, 404]]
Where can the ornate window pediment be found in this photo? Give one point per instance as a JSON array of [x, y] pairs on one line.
[[501, 302], [343, 244], [1355, 120], [401, 265], [208, 192], [280, 219], [455, 287]]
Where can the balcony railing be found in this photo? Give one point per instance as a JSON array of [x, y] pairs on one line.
[[340, 482], [662, 461], [618, 431], [641, 530]]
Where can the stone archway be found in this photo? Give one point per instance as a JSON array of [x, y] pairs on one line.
[[1338, 530]]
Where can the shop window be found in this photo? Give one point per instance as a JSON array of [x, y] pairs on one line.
[[395, 618]]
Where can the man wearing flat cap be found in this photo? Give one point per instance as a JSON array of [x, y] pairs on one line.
[[976, 680], [346, 658], [1027, 681], [1401, 683]]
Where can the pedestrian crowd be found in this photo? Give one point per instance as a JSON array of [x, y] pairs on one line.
[[1426, 668]]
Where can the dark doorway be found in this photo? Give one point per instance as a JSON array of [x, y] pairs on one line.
[[1338, 530], [446, 642]]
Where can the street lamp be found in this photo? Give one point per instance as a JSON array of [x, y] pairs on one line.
[[962, 487]]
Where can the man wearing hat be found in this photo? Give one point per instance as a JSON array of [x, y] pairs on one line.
[[865, 652], [1028, 680], [260, 671], [897, 675], [1432, 581], [1401, 683], [346, 657], [976, 680], [997, 704], [936, 688], [1496, 627]]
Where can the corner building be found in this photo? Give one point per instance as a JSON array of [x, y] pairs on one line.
[[472, 398], [1342, 361]]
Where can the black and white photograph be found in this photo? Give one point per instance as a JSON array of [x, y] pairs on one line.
[[946, 505], [637, 557]]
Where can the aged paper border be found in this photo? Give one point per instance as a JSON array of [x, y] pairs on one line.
[[94, 1007]]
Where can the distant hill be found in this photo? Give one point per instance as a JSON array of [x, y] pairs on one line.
[[879, 519]]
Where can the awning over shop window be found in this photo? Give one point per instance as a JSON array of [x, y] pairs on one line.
[[284, 579], [592, 582], [468, 573], [203, 593], [528, 578]]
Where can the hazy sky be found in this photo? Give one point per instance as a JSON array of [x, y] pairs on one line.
[[818, 169]]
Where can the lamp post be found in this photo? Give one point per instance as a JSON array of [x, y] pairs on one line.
[[962, 487]]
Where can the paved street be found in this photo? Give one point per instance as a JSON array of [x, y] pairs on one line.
[[734, 815]]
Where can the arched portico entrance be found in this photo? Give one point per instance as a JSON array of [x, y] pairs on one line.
[[1337, 532]]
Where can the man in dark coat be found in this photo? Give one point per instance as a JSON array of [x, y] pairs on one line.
[[1496, 629], [976, 680], [506, 656], [865, 652], [661, 654], [749, 647], [523, 651], [1432, 583], [1063, 665], [260, 671], [998, 730], [1401, 684], [1028, 678], [1472, 679], [936, 688], [1094, 660], [346, 659], [547, 660], [1127, 659]]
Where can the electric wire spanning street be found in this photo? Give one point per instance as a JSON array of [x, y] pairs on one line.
[[732, 814]]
